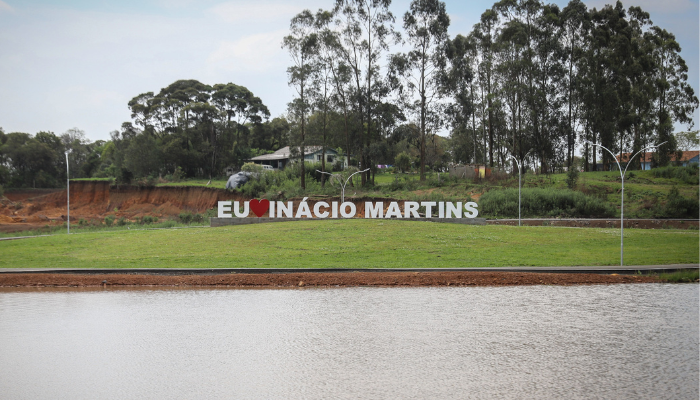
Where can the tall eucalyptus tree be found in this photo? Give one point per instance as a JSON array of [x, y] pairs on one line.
[[675, 99], [462, 58], [423, 67], [484, 32], [302, 44], [366, 29], [574, 23]]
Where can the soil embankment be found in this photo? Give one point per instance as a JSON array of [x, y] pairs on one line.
[[93, 201], [315, 279]]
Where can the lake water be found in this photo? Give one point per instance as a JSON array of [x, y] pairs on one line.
[[546, 342]]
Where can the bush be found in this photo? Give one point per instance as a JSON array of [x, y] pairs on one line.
[[147, 219], [252, 167], [188, 218], [678, 206], [538, 202], [338, 165], [400, 183], [688, 174], [258, 185], [2, 192], [147, 181], [168, 224], [440, 179], [176, 176], [122, 221], [185, 217], [403, 161], [572, 177], [109, 220]]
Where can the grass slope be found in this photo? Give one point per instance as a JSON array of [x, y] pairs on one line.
[[351, 244]]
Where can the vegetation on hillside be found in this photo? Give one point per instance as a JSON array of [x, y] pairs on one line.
[[664, 193]]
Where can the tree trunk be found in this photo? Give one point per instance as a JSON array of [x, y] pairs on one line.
[[303, 132]]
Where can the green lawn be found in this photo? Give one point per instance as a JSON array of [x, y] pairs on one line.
[[353, 243]]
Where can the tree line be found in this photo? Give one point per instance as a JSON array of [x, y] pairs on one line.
[[530, 81]]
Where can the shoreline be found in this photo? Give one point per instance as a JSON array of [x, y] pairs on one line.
[[311, 279]]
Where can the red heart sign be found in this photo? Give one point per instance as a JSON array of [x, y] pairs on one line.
[[259, 207]]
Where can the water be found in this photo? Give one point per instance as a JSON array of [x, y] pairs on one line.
[[618, 341]]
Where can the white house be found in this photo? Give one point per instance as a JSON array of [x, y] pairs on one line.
[[312, 154]]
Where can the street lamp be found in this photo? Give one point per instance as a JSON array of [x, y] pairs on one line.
[[68, 190], [622, 196], [519, 184], [342, 185]]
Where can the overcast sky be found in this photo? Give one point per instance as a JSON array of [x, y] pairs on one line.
[[77, 63]]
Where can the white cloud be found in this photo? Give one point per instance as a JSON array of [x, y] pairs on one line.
[[248, 12], [259, 52], [4, 7]]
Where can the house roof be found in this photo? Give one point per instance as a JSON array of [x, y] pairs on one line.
[[646, 156], [285, 153]]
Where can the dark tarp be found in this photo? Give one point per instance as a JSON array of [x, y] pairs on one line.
[[239, 179]]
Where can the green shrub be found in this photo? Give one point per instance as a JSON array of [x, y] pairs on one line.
[[443, 179], [109, 220], [147, 219], [572, 177], [678, 206], [687, 174], [185, 217], [168, 224], [400, 183], [122, 221], [176, 176], [682, 276], [256, 186], [538, 202], [252, 167], [338, 165], [2, 192], [403, 161]]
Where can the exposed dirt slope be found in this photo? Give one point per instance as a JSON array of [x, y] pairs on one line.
[[96, 200], [325, 279]]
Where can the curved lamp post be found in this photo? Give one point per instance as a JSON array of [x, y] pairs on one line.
[[622, 196], [68, 191], [342, 185], [519, 184]]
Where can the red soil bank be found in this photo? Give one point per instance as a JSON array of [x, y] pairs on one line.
[[318, 279], [96, 200], [33, 209]]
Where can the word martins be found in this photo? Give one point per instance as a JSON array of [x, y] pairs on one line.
[[322, 209]]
